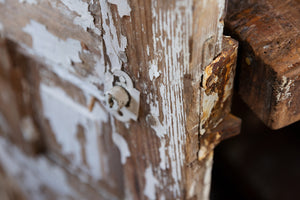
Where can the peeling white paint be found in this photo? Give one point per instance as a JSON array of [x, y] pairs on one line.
[[28, 129], [153, 71], [148, 50], [164, 164], [33, 173], [284, 89], [121, 143], [171, 50], [151, 183], [85, 19], [123, 7], [208, 103], [65, 116], [156, 125], [47, 45], [222, 12], [115, 43], [59, 54], [28, 1]]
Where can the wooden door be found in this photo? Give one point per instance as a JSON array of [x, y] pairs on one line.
[[60, 59]]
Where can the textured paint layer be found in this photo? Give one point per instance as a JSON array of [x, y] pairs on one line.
[[47, 45], [65, 116], [120, 143], [28, 1], [173, 47], [151, 183], [123, 7], [34, 172], [84, 18], [284, 91]]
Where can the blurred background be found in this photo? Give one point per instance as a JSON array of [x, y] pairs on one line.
[[259, 163]]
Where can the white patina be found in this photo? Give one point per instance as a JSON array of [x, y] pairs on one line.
[[121, 144], [153, 71], [28, 1], [54, 49], [220, 24], [123, 7], [84, 18], [65, 127], [171, 45], [151, 184], [29, 131], [34, 172], [115, 43], [284, 90], [208, 103]]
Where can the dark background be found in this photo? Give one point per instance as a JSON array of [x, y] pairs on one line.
[[259, 163]]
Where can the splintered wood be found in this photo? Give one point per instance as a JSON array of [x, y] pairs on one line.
[[269, 79], [57, 63]]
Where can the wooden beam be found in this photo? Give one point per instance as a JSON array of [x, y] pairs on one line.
[[269, 78]]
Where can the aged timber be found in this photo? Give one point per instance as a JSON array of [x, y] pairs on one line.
[[269, 79], [57, 63], [217, 85]]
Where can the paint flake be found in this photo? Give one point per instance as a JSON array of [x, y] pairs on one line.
[[65, 116], [47, 45], [33, 173], [168, 50], [153, 72], [85, 19], [151, 182], [122, 146], [120, 142], [284, 90], [29, 1], [123, 7]]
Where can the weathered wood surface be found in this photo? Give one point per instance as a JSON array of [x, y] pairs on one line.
[[62, 58], [217, 86], [269, 79]]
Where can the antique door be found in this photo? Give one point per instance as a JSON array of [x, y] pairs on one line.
[[113, 99]]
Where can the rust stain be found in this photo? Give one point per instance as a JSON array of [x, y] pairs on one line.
[[217, 85]]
